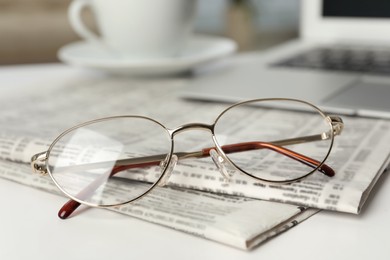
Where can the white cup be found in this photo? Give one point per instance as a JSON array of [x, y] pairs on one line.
[[137, 28]]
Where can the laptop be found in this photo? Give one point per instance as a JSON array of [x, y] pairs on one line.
[[341, 62]]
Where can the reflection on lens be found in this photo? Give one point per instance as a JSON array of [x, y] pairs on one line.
[[110, 161], [274, 144]]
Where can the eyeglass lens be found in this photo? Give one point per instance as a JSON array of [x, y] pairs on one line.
[[97, 163], [262, 132]]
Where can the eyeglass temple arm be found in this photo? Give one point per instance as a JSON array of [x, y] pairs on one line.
[[125, 164], [276, 146]]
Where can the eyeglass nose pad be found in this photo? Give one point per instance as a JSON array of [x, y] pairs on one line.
[[220, 162], [168, 171]]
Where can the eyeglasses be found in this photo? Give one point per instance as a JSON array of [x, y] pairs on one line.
[[117, 160]]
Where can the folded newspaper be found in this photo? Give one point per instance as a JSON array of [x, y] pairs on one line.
[[198, 201]]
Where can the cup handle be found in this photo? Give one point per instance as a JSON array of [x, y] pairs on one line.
[[74, 16]]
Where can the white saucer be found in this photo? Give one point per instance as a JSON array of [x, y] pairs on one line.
[[200, 50]]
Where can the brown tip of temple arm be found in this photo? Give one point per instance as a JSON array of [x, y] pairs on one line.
[[241, 147], [327, 170], [68, 209]]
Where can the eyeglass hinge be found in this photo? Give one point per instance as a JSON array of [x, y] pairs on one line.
[[38, 163], [337, 124]]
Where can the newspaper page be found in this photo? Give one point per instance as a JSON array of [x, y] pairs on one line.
[[30, 122]]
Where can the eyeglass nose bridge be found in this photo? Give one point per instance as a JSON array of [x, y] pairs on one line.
[[192, 126], [219, 160]]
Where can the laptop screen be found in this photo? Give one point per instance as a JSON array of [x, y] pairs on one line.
[[356, 8]]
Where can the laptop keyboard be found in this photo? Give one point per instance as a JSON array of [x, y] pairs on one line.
[[341, 59]]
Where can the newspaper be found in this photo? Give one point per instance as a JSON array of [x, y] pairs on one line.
[[359, 156]]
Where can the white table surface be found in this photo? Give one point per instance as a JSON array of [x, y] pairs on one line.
[[30, 228]]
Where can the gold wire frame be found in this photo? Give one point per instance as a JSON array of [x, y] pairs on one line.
[[40, 161]]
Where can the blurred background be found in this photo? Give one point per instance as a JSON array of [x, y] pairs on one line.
[[31, 31]]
